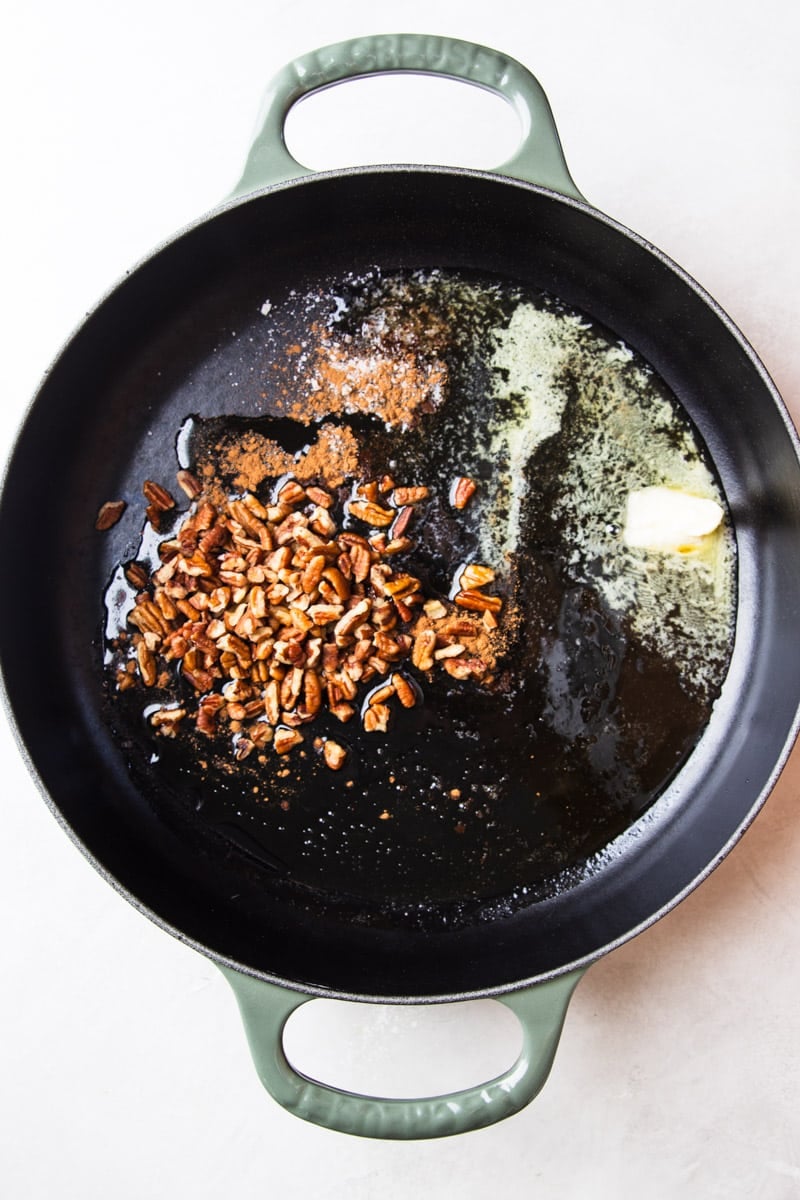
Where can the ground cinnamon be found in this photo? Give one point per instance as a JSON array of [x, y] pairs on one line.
[[248, 459]]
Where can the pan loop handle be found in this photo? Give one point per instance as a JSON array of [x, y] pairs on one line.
[[539, 159], [540, 1009]]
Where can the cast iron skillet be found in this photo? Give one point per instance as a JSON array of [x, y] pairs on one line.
[[105, 419]]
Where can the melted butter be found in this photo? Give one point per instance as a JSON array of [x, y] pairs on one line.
[[569, 400]]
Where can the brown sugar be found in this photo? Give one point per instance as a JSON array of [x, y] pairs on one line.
[[333, 458], [396, 387], [250, 458]]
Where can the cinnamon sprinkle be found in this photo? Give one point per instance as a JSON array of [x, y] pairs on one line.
[[250, 458], [396, 387]]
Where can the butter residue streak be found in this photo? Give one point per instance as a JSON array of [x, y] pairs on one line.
[[529, 356]]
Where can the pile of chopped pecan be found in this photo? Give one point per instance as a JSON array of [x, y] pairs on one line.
[[274, 614]]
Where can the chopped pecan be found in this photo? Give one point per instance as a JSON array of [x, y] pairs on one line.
[[189, 483], [401, 522], [291, 493], [168, 609], [405, 690], [388, 647], [462, 668], [371, 513], [435, 610], [261, 733], [369, 490], [334, 754], [382, 693], [201, 680], [136, 574], [243, 748], [401, 586], [109, 514], [272, 702], [285, 739], [397, 545], [157, 496], [167, 720], [343, 711], [147, 664], [325, 614], [462, 491], [403, 610], [376, 718], [422, 650], [250, 523], [345, 626], [312, 694], [207, 712], [338, 583], [451, 651], [322, 522], [255, 506], [409, 495], [475, 576], [273, 611], [361, 561], [146, 616], [478, 602], [319, 497]]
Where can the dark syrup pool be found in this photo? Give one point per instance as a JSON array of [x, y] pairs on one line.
[[475, 794]]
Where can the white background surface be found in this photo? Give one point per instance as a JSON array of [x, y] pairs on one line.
[[124, 1071]]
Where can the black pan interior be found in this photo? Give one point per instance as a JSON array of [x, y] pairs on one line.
[[165, 343]]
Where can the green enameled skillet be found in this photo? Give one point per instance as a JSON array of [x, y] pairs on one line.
[[105, 418]]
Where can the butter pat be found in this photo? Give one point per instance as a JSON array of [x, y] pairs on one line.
[[667, 519]]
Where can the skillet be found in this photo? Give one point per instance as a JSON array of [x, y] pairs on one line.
[[105, 418]]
